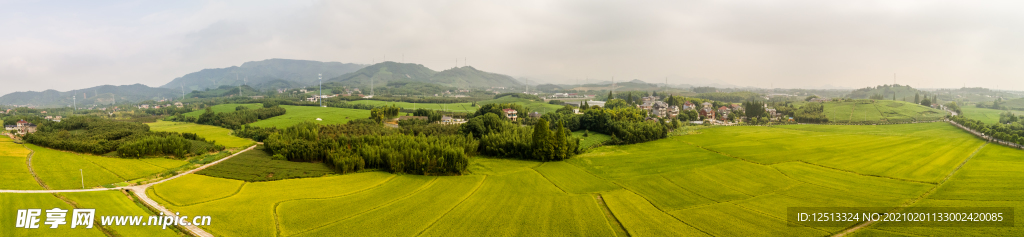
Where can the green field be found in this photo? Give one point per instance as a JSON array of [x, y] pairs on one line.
[[115, 203], [299, 114], [221, 136], [222, 108], [591, 140], [257, 165], [988, 116], [65, 170], [10, 203], [541, 107], [453, 107], [14, 172], [723, 181], [862, 111]]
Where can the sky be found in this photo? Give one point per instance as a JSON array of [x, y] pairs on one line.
[[67, 45]]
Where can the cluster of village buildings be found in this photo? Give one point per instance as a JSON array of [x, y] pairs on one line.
[[21, 127]]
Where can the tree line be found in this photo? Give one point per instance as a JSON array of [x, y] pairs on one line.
[[357, 146], [90, 134], [1012, 132]]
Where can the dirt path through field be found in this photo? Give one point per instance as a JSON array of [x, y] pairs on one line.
[[30, 170], [139, 190]]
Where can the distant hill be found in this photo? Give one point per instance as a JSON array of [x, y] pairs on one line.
[[270, 73], [886, 91], [100, 95], [387, 72]]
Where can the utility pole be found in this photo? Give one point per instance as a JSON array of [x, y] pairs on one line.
[[320, 78], [182, 92], [75, 101]]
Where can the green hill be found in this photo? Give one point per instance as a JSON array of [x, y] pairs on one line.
[[270, 73], [886, 91], [100, 95], [867, 111], [387, 73]]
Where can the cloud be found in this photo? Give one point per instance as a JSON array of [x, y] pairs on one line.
[[785, 43]]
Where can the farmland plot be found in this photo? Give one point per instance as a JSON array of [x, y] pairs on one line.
[[14, 172], [408, 216], [64, 170], [10, 203], [183, 191], [640, 218], [573, 179], [301, 215], [927, 157], [115, 203], [298, 114], [525, 198], [219, 135], [251, 210]]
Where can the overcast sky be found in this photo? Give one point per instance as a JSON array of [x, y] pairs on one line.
[[788, 44]]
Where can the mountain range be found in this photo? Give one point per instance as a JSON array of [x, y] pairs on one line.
[[387, 72], [270, 73], [99, 95]]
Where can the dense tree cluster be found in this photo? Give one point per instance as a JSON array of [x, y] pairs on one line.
[[380, 114], [96, 135], [432, 116], [496, 109], [354, 147], [519, 95], [1012, 132], [626, 124], [811, 113], [503, 139], [255, 133]]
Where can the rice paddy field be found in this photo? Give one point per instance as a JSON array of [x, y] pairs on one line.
[[720, 181], [116, 203], [222, 108], [989, 116], [10, 203], [866, 111], [298, 114], [65, 170], [14, 172], [219, 135]]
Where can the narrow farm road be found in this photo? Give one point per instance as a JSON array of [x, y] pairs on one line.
[[32, 171], [139, 190]]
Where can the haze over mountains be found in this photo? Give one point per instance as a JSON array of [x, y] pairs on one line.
[[270, 73], [463, 77], [266, 74]]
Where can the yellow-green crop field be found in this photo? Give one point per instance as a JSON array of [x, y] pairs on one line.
[[65, 170], [10, 203], [115, 203], [723, 181], [221, 136], [14, 173], [298, 114], [862, 111]]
